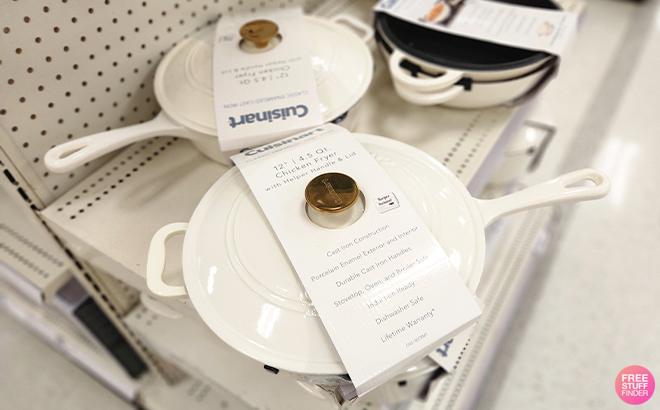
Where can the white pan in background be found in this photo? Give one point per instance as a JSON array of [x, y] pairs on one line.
[[433, 67], [482, 94], [242, 284], [183, 84]]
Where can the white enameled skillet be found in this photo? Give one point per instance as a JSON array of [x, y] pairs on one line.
[[183, 84], [242, 284]]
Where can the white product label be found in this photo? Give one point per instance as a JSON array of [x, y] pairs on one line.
[[261, 96], [518, 26], [447, 355], [383, 287]]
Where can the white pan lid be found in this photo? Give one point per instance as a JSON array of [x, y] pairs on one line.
[[342, 64], [242, 284]]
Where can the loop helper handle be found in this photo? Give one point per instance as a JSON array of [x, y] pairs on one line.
[[362, 29], [423, 84], [432, 98], [156, 261]]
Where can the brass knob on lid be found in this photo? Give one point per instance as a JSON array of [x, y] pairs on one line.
[[332, 193], [259, 32]]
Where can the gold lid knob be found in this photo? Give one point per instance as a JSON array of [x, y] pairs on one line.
[[260, 32], [332, 193]]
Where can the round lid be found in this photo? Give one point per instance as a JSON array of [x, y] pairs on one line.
[[332, 193], [458, 52], [242, 284], [342, 66]]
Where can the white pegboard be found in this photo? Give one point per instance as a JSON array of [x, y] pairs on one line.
[[72, 68]]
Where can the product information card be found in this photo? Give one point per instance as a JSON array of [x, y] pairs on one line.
[[262, 94], [383, 287], [518, 26]]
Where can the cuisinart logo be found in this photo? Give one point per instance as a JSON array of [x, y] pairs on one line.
[[280, 143], [277, 114]]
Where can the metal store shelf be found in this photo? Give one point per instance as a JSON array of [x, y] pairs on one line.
[[29, 257], [61, 332]]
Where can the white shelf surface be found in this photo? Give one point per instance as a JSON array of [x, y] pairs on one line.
[[30, 258], [66, 336], [192, 393]]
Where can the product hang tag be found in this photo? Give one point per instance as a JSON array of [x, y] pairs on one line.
[[525, 27], [263, 80], [383, 287]]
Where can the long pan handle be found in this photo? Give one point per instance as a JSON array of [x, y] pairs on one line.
[[70, 155], [555, 191]]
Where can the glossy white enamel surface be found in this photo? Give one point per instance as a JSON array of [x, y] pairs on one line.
[[341, 61], [243, 286]]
